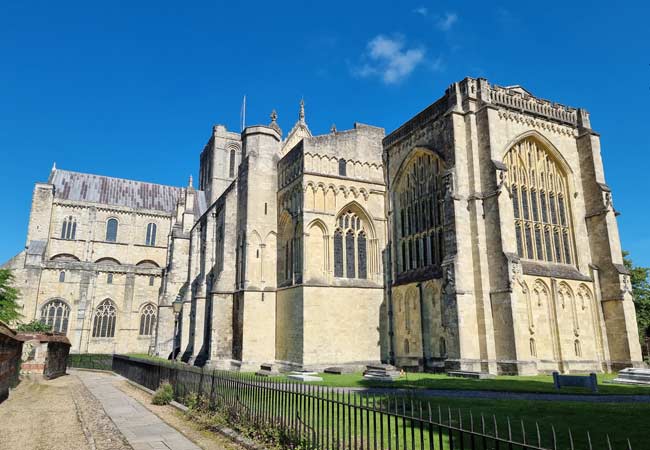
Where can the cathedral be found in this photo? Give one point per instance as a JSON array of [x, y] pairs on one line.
[[480, 235]]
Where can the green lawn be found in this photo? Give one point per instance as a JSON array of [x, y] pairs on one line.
[[619, 421], [538, 383]]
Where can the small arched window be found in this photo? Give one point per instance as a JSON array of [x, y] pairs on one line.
[[147, 320], [342, 167], [151, 281], [443, 346], [55, 313], [111, 230], [151, 234], [232, 163], [62, 276], [104, 320], [109, 278], [407, 348], [69, 228]]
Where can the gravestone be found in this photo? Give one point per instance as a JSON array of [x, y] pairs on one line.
[[633, 376]]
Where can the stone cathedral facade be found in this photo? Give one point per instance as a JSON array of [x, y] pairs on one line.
[[480, 235]]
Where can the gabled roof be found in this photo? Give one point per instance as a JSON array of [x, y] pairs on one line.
[[114, 191]]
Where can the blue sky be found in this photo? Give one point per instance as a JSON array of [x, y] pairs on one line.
[[131, 89]]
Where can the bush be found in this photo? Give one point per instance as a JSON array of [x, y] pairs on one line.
[[163, 395], [34, 326]]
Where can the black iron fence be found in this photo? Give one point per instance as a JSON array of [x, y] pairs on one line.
[[94, 361], [316, 417]]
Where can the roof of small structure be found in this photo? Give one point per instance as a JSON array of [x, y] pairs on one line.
[[114, 191]]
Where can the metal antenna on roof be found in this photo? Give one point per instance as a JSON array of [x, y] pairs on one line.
[[243, 114]]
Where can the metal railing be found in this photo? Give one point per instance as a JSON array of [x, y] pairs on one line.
[[317, 417]]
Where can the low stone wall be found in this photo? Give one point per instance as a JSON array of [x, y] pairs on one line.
[[45, 353], [10, 353]]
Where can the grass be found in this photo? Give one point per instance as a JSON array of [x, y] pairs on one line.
[[531, 384], [148, 357]]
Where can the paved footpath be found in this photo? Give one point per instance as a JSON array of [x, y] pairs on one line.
[[142, 428]]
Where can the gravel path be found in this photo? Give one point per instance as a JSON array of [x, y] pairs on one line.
[[59, 414]]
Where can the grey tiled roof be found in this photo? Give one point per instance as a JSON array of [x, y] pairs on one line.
[[114, 191]]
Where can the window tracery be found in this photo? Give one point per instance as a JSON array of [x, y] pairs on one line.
[[147, 320], [539, 188], [55, 313], [354, 257], [104, 320], [419, 201]]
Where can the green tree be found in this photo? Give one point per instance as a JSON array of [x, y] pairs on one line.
[[640, 279], [9, 308], [34, 326]]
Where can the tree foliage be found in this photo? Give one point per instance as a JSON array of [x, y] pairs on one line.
[[640, 280], [34, 326], [9, 308]]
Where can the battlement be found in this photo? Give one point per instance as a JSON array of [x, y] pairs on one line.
[[514, 98], [521, 100]]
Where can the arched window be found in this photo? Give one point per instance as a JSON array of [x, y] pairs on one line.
[[147, 320], [407, 348], [354, 259], [62, 276], [232, 163], [418, 220], [104, 320], [151, 234], [539, 188], [109, 278], [151, 281], [111, 230], [55, 313], [342, 167], [69, 228]]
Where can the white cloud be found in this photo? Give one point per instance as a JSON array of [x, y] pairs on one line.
[[447, 21], [388, 59], [421, 10]]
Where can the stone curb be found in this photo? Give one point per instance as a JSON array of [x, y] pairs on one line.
[[229, 433]]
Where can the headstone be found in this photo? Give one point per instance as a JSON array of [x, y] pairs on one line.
[[268, 370], [472, 375], [303, 375], [586, 381], [381, 372], [633, 376]]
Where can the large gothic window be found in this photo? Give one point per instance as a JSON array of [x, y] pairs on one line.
[[350, 247], [147, 320], [55, 313], [104, 320], [418, 222], [540, 203], [69, 228]]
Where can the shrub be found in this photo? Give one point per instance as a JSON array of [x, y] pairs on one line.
[[34, 326], [163, 395]]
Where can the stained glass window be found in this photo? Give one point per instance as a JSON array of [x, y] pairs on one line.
[[55, 313], [338, 253], [539, 190], [419, 205], [104, 320], [147, 320]]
